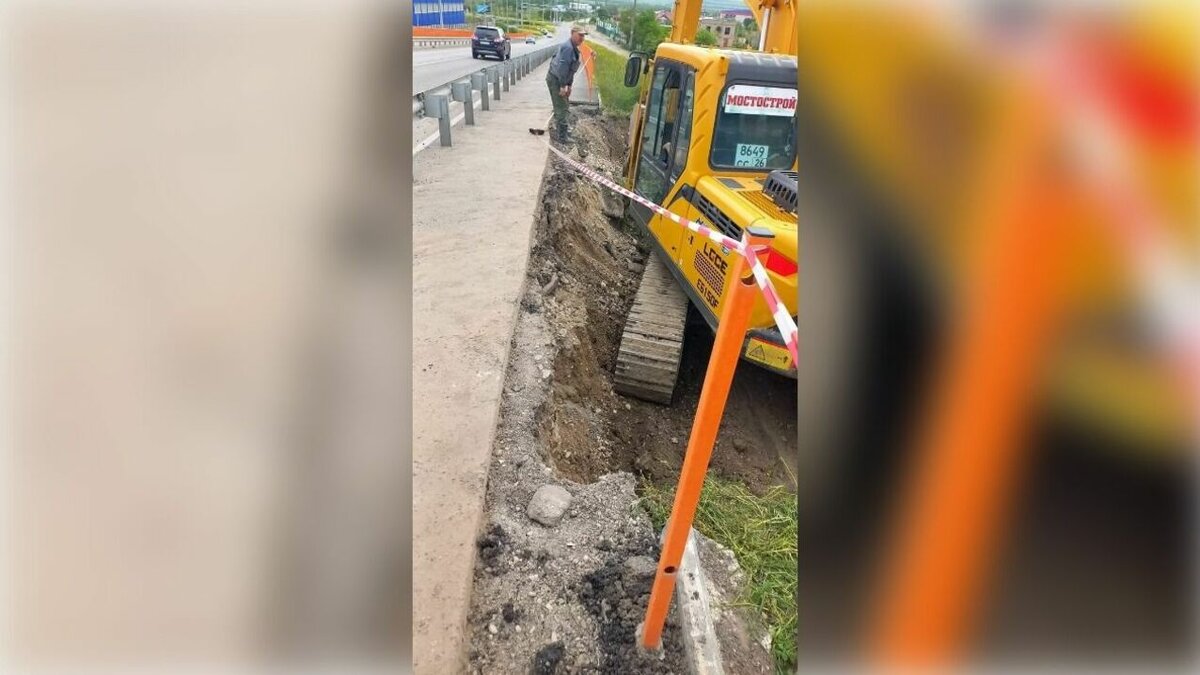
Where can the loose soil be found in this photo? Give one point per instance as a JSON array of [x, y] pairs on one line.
[[565, 599]]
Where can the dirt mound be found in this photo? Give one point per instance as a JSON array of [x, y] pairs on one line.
[[594, 265]]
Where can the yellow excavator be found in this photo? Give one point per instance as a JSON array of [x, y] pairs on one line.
[[712, 139]]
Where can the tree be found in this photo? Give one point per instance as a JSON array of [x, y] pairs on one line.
[[706, 38], [745, 32], [603, 14], [647, 32]]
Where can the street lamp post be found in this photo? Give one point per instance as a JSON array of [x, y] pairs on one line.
[[632, 24]]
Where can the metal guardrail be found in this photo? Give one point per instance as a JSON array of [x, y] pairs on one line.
[[498, 77]]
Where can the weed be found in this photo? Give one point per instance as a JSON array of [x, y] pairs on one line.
[[761, 532], [610, 78]]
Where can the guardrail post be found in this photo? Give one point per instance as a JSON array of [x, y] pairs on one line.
[[438, 105], [479, 82], [505, 75], [462, 92], [494, 76], [519, 67]]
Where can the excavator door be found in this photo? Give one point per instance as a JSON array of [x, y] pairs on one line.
[[663, 149]]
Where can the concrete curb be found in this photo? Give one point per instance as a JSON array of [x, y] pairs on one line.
[[701, 647]]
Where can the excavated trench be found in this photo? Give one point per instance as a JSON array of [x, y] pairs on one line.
[[567, 597], [587, 428]]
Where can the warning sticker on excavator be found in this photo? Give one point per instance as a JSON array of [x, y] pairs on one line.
[[768, 354]]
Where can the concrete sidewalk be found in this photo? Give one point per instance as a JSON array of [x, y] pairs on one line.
[[473, 209]]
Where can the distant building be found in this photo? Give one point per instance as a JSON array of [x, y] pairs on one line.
[[439, 14], [580, 6], [739, 14], [663, 17], [725, 30]]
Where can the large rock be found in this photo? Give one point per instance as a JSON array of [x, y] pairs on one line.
[[548, 505]]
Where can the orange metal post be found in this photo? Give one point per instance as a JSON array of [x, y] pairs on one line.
[[969, 459], [731, 332]]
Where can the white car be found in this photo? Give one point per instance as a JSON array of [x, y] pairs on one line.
[[530, 40]]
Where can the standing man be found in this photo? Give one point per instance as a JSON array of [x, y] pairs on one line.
[[559, 78]]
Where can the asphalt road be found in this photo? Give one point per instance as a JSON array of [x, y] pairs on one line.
[[435, 67]]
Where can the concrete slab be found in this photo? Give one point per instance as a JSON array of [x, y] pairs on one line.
[[700, 643], [473, 208]]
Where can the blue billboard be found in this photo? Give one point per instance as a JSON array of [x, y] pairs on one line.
[[439, 13]]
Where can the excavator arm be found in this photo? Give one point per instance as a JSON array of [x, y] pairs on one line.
[[776, 21]]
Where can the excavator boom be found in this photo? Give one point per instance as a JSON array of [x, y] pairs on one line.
[[776, 21]]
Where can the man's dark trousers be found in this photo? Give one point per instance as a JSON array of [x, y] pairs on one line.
[[560, 104]]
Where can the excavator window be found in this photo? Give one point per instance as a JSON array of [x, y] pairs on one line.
[[661, 113], [662, 116], [654, 111], [755, 128], [683, 136]]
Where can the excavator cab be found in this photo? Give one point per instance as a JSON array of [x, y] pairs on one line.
[[712, 139]]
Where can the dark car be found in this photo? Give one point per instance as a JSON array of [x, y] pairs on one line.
[[491, 41]]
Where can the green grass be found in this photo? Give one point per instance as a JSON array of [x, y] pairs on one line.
[[610, 78], [761, 532]]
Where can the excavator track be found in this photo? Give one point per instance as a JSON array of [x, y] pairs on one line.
[[652, 342]]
